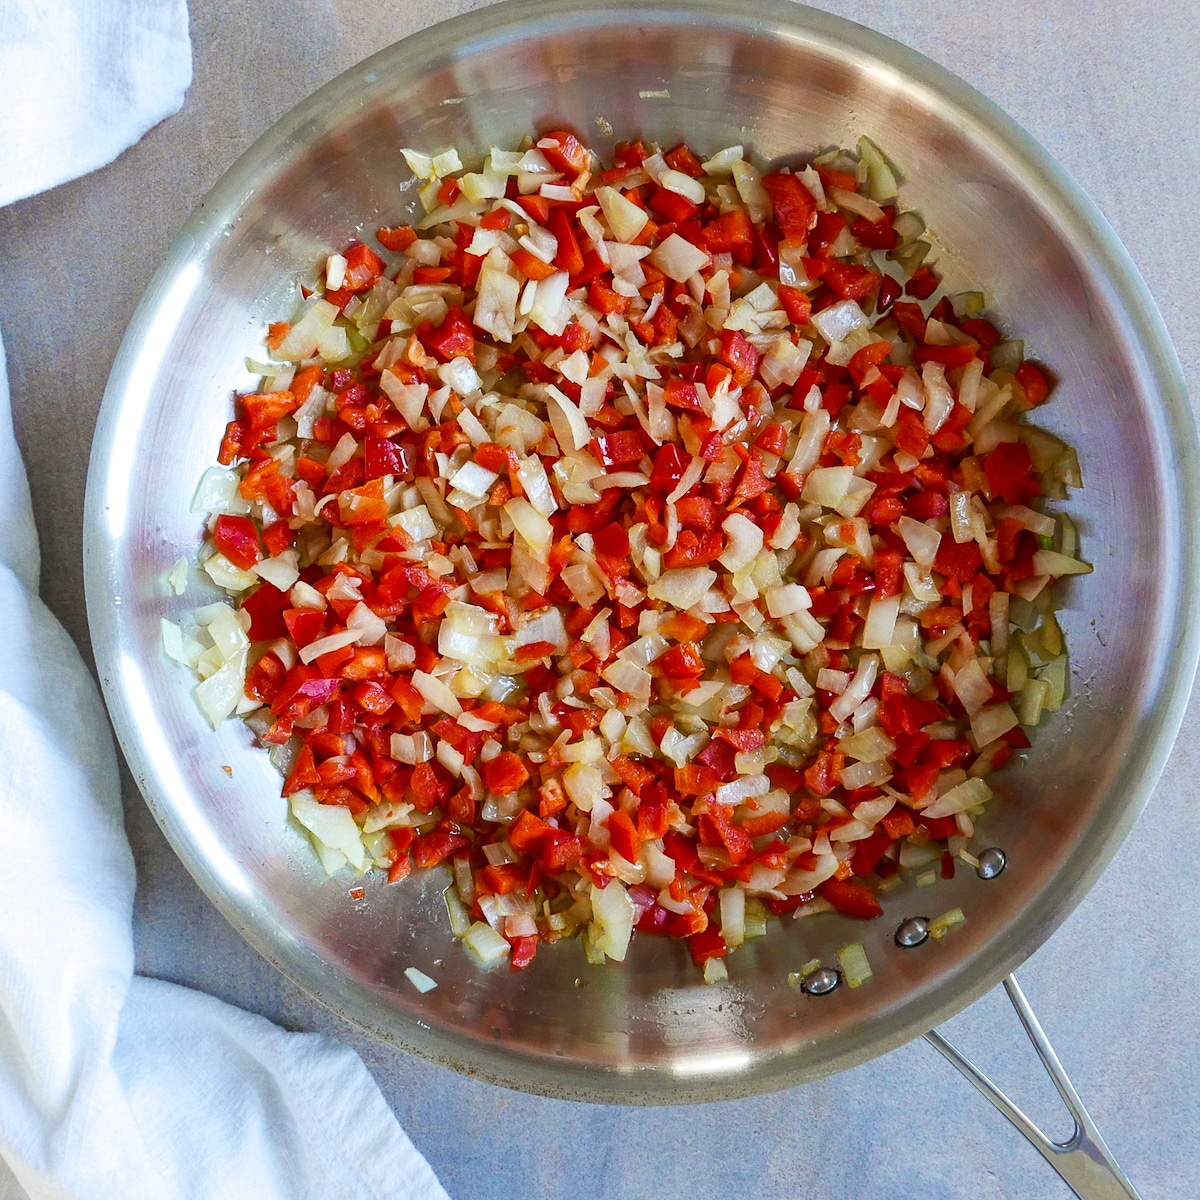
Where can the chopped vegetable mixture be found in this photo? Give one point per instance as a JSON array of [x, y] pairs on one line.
[[643, 542]]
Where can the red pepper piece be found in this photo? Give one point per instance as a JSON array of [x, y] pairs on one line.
[[621, 449], [939, 827], [505, 774], [899, 823], [731, 233], [669, 465], [1033, 380], [889, 573], [681, 662], [695, 779], [453, 338], [851, 897], [611, 540], [949, 356], [706, 944], [633, 775], [565, 152], [433, 848], [530, 265], [682, 159], [869, 851], [1009, 470], [237, 539], [559, 850], [825, 773], [524, 947], [681, 394], [265, 606], [602, 298], [951, 436], [363, 268], [923, 283], [623, 835], [860, 366], [851, 282], [397, 237], [716, 829], [911, 435], [372, 697], [569, 256], [957, 560], [720, 756], [304, 625], [528, 832], [739, 355], [876, 235], [794, 205], [672, 205], [946, 753]]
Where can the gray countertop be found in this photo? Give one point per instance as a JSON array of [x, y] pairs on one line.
[[1112, 91]]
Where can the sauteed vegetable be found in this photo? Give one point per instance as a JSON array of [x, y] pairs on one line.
[[648, 542]]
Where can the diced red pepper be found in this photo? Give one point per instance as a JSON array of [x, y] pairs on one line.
[[740, 355], [363, 268], [453, 338], [432, 848], [794, 205], [398, 237], [706, 944], [237, 539], [565, 152], [1009, 470], [852, 897], [505, 774], [621, 449], [624, 837]]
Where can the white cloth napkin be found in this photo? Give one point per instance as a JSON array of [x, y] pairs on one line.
[[81, 80], [113, 1086]]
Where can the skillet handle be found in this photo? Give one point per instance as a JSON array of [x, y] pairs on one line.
[[1084, 1161]]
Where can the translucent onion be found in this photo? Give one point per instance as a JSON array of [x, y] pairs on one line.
[[858, 689], [612, 919], [839, 320], [922, 541], [682, 587], [745, 542], [967, 795], [437, 693], [991, 722]]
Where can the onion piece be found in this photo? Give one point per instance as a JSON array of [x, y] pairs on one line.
[[678, 258], [437, 693], [745, 542], [839, 320], [858, 689], [855, 968], [970, 794], [922, 541], [682, 587], [625, 219], [569, 424], [612, 919]]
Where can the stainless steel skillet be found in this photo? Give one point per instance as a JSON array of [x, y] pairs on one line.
[[782, 79]]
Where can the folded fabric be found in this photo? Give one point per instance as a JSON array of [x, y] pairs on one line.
[[81, 80], [112, 1086]]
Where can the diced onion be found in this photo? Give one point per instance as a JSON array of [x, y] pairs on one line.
[[855, 968]]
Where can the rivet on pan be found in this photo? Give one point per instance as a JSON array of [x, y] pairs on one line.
[[992, 862], [912, 932], [821, 982]]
